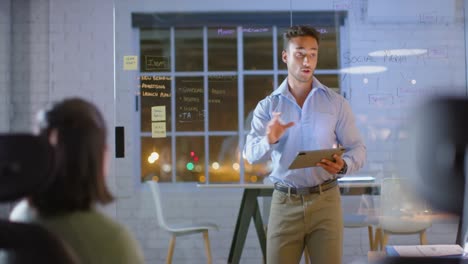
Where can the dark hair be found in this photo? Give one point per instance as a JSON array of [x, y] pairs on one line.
[[299, 31], [79, 152]]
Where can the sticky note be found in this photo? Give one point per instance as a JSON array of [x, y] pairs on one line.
[[130, 63], [158, 129], [158, 113]]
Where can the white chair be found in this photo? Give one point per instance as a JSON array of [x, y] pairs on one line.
[[359, 221], [401, 213], [179, 230], [363, 219]]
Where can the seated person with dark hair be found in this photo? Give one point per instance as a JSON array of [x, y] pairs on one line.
[[76, 130]]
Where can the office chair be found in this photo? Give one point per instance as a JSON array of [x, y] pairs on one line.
[[179, 230], [25, 161]]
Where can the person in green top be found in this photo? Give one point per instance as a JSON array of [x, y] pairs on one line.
[[76, 130]]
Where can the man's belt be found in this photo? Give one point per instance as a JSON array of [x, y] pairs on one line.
[[306, 190]]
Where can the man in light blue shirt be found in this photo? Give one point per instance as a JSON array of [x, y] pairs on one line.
[[303, 114]]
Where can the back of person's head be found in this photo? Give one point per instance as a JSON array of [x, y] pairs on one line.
[[76, 130], [299, 31]]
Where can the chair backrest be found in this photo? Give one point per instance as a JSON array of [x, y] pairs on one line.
[[31, 243], [25, 161], [400, 209], [155, 191]]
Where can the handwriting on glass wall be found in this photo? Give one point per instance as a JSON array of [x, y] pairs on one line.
[[156, 63], [155, 86], [190, 100]]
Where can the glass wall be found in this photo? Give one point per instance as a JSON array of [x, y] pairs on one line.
[[202, 73]]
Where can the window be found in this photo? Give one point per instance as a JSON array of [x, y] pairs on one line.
[[201, 76]]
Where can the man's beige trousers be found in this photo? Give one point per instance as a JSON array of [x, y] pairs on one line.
[[313, 222]]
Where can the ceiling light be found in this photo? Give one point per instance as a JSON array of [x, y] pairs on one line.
[[363, 69], [397, 52]]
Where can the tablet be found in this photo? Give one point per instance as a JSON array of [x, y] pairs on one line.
[[305, 159]]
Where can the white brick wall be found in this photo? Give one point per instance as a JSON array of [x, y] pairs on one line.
[[440, 71], [81, 58], [30, 63], [65, 48], [5, 57], [5, 50]]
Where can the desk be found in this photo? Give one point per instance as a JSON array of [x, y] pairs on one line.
[[249, 209]]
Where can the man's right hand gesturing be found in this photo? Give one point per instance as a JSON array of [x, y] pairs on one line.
[[275, 128]]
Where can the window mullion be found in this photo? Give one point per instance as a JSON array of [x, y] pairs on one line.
[[240, 100], [173, 105], [275, 57], [205, 102]]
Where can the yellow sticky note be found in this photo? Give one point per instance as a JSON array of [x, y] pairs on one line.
[[158, 129], [158, 113], [130, 63]]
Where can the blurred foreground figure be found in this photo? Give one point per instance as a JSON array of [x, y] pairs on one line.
[[434, 157], [76, 130], [24, 164]]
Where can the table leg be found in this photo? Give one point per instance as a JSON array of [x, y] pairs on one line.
[[260, 230], [246, 212]]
